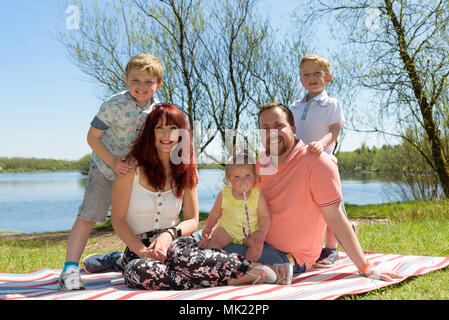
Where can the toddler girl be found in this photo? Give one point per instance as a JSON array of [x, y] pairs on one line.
[[240, 210]]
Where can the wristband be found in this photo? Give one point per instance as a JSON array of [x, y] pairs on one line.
[[362, 270], [170, 232], [177, 232]]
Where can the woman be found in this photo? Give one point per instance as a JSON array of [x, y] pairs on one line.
[[146, 204]]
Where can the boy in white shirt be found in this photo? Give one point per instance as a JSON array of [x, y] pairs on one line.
[[318, 120]]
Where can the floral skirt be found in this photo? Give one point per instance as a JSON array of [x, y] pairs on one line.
[[187, 266]]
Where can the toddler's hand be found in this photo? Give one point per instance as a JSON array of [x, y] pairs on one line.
[[121, 166], [315, 147], [206, 232], [258, 237]]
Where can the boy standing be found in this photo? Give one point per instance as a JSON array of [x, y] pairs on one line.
[[112, 132], [318, 120]]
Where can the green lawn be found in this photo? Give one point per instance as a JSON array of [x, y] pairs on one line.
[[415, 228], [419, 237]]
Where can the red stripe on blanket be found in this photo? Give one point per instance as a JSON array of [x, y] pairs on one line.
[[26, 280], [422, 270]]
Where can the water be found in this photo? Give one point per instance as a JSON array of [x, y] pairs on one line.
[[367, 188], [41, 202], [38, 202]]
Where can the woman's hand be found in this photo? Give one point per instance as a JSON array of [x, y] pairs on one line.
[[158, 249]]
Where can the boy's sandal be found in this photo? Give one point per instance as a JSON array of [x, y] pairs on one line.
[[288, 273], [270, 276]]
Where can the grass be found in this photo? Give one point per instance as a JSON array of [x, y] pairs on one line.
[[413, 228], [417, 237], [22, 256], [401, 211]]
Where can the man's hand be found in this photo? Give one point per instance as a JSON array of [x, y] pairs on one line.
[[381, 274]]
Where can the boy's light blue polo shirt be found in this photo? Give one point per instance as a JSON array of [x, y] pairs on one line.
[[313, 117], [120, 117]]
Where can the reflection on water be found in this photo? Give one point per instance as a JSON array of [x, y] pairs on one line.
[[38, 202]]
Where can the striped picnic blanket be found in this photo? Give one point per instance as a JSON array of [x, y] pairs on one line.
[[317, 284]]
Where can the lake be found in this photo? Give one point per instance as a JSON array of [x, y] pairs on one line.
[[49, 201]]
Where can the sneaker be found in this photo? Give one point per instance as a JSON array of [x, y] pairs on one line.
[[108, 262], [70, 279], [327, 258]]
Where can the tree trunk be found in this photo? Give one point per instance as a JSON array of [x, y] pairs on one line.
[[431, 129]]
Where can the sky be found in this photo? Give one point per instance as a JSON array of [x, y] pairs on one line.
[[47, 103]]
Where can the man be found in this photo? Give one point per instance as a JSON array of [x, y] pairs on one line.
[[303, 195]]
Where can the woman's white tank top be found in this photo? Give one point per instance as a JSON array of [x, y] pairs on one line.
[[148, 210]]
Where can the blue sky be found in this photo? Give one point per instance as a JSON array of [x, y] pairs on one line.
[[47, 103], [46, 107]]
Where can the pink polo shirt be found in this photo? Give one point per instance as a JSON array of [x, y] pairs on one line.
[[303, 184]]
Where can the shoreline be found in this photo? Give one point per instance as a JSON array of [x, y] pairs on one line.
[[40, 171], [15, 234], [7, 233]]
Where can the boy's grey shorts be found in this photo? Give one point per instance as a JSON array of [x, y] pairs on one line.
[[97, 196]]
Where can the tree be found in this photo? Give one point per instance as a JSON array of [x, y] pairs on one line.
[[111, 33], [400, 51], [421, 179], [84, 163], [215, 54]]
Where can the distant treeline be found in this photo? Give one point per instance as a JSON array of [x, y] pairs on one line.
[[17, 164], [363, 158], [369, 159]]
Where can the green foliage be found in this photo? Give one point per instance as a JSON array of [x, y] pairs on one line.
[[33, 164], [370, 159], [84, 163], [401, 211], [17, 164]]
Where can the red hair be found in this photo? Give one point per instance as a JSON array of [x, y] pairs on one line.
[[144, 151]]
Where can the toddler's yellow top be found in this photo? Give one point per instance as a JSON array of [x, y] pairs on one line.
[[233, 215]]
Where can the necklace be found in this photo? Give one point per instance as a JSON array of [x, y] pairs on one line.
[[247, 218]]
